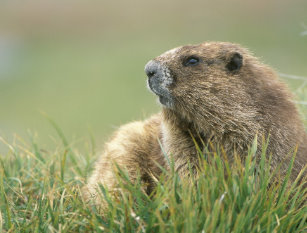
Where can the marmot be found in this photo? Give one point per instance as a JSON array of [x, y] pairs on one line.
[[214, 91]]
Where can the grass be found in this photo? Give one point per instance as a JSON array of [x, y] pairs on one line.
[[40, 192]]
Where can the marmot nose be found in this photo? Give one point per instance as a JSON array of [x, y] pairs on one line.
[[151, 68]]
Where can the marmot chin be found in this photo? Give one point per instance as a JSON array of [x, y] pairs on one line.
[[214, 91]]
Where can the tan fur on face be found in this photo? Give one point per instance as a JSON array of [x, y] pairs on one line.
[[211, 103]]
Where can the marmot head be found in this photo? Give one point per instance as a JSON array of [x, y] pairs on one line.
[[216, 81]]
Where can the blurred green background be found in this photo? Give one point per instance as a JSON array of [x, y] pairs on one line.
[[82, 62]]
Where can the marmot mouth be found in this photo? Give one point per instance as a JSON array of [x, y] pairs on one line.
[[166, 102], [154, 88], [164, 99]]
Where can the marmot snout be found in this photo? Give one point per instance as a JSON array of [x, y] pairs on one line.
[[159, 80]]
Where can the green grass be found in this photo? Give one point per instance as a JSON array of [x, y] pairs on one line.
[[40, 192], [76, 80]]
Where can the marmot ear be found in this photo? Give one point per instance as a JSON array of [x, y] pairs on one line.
[[234, 62]]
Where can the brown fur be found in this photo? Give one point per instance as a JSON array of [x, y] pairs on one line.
[[213, 104]]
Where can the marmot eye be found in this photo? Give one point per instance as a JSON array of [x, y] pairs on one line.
[[191, 61]]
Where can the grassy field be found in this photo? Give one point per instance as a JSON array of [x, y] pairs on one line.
[[40, 192], [80, 63]]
